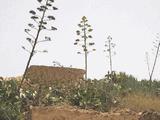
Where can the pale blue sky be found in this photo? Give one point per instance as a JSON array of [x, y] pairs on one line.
[[133, 25]]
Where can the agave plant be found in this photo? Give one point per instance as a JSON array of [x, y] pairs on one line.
[[41, 22], [109, 50], [84, 40]]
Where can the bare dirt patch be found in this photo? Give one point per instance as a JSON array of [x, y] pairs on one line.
[[70, 113]]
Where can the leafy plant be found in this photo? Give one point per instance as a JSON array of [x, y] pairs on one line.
[[92, 95], [10, 103]]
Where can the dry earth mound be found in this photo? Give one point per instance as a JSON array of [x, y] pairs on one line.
[[43, 74]]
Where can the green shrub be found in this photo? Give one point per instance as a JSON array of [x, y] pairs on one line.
[[92, 95], [10, 103]]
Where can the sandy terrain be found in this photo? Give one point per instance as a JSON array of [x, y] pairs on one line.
[[70, 113]]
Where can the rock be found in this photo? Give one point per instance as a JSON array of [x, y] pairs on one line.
[[149, 115]]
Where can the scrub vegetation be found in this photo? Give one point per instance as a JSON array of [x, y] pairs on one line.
[[115, 90], [99, 95]]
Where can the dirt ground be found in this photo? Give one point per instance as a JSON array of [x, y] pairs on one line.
[[71, 113]]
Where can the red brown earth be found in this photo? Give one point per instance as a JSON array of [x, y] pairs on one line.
[[48, 74], [70, 113]]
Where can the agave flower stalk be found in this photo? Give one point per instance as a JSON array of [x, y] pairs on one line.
[[84, 42], [109, 50], [41, 22]]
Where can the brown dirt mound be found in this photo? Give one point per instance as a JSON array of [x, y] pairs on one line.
[[70, 113], [47, 74]]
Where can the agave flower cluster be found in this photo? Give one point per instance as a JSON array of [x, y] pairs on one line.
[[41, 22], [84, 39]]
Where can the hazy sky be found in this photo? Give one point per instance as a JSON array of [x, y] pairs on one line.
[[133, 25]]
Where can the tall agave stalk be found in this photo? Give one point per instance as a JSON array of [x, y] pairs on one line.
[[157, 46], [41, 17], [109, 46], [84, 41]]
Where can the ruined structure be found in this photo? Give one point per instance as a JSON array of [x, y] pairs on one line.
[[48, 74]]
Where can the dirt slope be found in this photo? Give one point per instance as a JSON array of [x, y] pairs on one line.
[[70, 113]]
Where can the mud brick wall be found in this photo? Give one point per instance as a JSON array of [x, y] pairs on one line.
[[49, 74]]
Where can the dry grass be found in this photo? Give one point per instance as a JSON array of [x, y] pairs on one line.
[[141, 102]]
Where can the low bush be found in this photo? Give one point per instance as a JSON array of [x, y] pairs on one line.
[[10, 103], [92, 95]]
